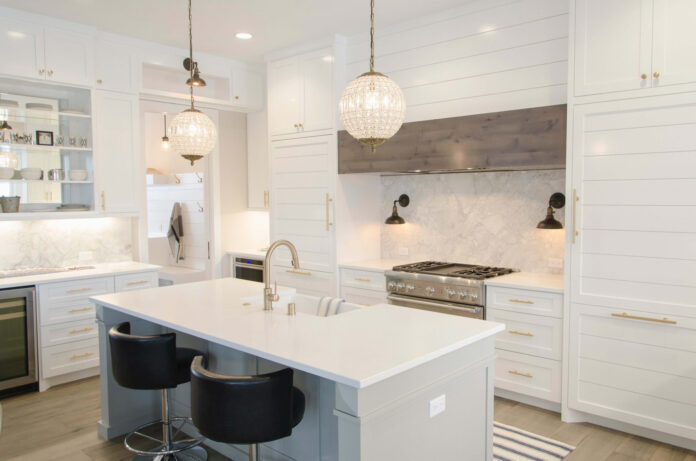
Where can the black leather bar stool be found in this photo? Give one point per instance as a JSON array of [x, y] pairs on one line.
[[155, 363], [244, 409]]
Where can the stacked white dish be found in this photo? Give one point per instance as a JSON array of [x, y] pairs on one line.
[[32, 174], [77, 175], [6, 173]]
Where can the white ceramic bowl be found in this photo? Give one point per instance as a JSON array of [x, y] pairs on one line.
[[6, 173], [31, 173], [77, 175]]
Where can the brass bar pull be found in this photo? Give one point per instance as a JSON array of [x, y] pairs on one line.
[[265, 199], [576, 199], [517, 373], [81, 356], [103, 201], [328, 222], [139, 282], [520, 301], [292, 271], [359, 279], [521, 333], [79, 290], [84, 330], [82, 309], [648, 319]]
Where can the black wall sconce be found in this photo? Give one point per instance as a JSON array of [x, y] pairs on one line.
[[196, 79], [556, 201], [395, 218]]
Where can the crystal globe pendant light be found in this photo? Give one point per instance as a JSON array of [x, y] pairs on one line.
[[192, 134], [372, 107]]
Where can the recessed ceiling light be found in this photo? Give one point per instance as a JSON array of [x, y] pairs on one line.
[[243, 35]]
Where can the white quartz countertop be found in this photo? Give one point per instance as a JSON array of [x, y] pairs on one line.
[[357, 348], [248, 253], [99, 270], [529, 281], [374, 265]]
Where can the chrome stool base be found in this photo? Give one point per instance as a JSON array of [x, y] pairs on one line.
[[191, 454]]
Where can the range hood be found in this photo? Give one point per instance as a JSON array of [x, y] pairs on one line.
[[525, 139]]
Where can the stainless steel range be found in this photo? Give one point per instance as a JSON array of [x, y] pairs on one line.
[[450, 288]]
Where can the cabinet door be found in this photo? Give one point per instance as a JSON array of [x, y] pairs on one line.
[[674, 42], [68, 57], [284, 93], [257, 160], [612, 45], [318, 106], [115, 69], [116, 158], [302, 182], [22, 48]]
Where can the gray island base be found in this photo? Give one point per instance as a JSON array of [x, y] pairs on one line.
[[381, 382]]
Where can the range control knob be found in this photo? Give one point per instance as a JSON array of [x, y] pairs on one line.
[[391, 286], [410, 287], [450, 292], [473, 296], [400, 286], [430, 291], [463, 294]]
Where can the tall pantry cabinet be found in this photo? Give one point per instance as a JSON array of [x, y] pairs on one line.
[[631, 241], [303, 157]]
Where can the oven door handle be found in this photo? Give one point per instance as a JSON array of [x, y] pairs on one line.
[[473, 309]]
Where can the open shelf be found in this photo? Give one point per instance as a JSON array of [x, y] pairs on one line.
[[37, 147], [45, 181]]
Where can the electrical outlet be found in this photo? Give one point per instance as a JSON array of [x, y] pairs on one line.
[[437, 405], [85, 255], [403, 251], [556, 263]]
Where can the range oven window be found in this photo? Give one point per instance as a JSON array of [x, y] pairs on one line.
[[248, 269]]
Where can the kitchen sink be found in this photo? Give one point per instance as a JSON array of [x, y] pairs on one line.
[[304, 304]]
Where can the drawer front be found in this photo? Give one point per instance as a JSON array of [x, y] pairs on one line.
[[62, 333], [362, 296], [365, 280], [305, 281], [70, 357], [528, 334], [525, 301], [81, 309], [135, 281], [528, 375], [76, 290]]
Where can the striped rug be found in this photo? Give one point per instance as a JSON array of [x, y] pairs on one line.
[[513, 444]]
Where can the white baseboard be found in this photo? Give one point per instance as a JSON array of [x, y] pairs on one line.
[[533, 401], [45, 384]]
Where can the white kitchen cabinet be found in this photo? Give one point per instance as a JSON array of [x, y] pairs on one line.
[[631, 45], [118, 173], [361, 286], [247, 87], [300, 94], [257, 160], [22, 49], [115, 67], [69, 57]]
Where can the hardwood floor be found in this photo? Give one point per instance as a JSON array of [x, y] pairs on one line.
[[59, 425]]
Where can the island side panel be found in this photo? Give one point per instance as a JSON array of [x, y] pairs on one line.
[[391, 419]]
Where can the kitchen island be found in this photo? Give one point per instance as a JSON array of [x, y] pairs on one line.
[[382, 382]]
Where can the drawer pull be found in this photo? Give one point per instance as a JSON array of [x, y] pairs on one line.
[[82, 309], [517, 373], [648, 319], [139, 282], [79, 290], [521, 333], [292, 271], [81, 356], [84, 330], [521, 301], [359, 279]]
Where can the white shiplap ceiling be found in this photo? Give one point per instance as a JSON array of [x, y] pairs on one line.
[[275, 24]]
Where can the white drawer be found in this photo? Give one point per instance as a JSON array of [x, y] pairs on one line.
[[362, 296], [70, 311], [136, 281], [525, 374], [366, 280], [75, 290], [528, 334], [305, 281], [525, 301], [69, 357], [61, 333]]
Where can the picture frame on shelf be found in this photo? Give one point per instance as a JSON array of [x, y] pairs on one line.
[[44, 138]]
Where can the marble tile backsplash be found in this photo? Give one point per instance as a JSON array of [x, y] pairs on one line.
[[57, 243], [478, 218]]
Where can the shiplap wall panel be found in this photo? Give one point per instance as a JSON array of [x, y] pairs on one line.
[[676, 245], [644, 218], [486, 56], [673, 165]]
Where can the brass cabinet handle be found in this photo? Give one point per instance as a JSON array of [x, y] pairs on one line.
[[360, 279], [81, 356], [139, 282], [292, 271], [99, 81], [79, 290], [520, 301], [648, 319], [520, 333], [41, 71], [517, 373], [265, 199], [103, 201], [575, 214], [328, 222], [643, 76], [84, 330], [296, 125], [50, 72], [82, 309], [656, 75]]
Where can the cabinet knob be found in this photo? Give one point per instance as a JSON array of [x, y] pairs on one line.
[[41, 71], [296, 125], [236, 97], [99, 81], [644, 76], [50, 72], [656, 75]]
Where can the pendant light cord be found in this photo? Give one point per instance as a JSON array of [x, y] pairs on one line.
[[372, 35], [190, 19]]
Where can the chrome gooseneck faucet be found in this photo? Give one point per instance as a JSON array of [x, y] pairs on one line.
[[269, 296]]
